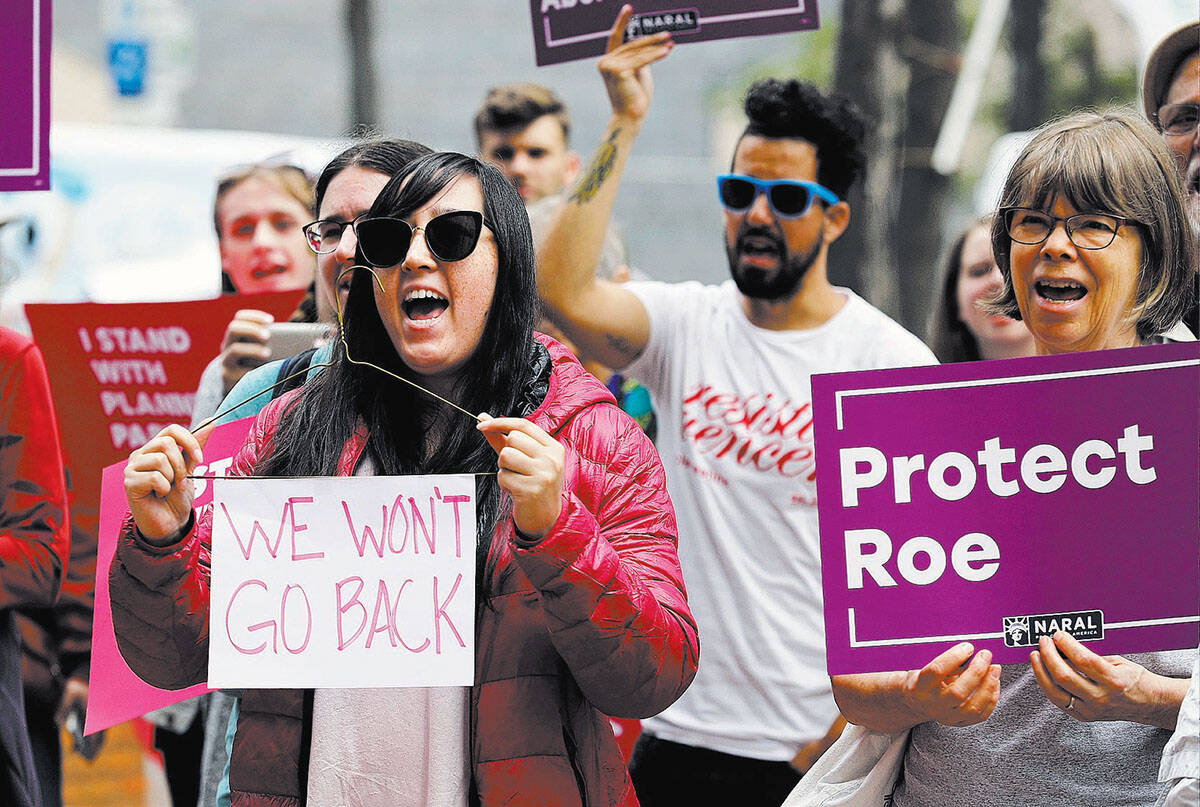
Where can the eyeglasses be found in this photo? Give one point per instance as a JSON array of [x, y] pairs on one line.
[[324, 235], [1178, 119], [787, 198], [1086, 230], [384, 240]]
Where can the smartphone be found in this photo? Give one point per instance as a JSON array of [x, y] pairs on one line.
[[289, 338]]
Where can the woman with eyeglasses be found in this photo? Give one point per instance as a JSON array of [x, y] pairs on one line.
[[960, 329], [1094, 245], [580, 605]]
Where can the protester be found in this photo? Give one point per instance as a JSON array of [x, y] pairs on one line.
[[33, 540], [524, 129], [258, 212], [1171, 101], [579, 572], [1093, 243], [1170, 97], [344, 191], [959, 329], [56, 647], [729, 370]]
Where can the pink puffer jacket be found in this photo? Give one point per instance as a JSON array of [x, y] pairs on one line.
[[592, 621]]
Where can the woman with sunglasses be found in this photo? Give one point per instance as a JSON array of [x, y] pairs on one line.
[[1094, 245], [580, 605]]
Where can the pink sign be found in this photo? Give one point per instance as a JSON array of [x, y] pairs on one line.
[[25, 101], [996, 502], [564, 30], [116, 693]]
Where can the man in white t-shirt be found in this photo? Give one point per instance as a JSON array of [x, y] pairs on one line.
[[729, 369]]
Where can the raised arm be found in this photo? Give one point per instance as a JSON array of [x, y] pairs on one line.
[[606, 322]]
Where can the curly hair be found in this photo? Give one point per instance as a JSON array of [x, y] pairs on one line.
[[832, 123]]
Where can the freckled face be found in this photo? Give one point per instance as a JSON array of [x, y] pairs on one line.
[[1077, 299], [979, 278], [262, 246], [435, 311]]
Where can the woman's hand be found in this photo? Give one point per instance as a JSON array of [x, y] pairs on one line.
[[531, 469], [244, 346], [156, 483], [625, 67], [1089, 687], [955, 689]]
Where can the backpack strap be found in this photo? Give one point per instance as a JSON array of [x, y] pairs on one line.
[[295, 365]]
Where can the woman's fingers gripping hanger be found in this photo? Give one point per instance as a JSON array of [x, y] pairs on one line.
[[530, 464], [157, 483]]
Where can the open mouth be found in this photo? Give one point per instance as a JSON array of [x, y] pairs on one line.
[[1059, 291], [260, 272], [759, 247], [423, 304]]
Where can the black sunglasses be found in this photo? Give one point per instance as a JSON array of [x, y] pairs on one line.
[[384, 240]]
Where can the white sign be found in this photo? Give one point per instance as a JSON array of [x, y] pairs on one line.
[[343, 582]]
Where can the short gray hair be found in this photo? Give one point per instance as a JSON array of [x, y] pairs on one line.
[[1112, 162]]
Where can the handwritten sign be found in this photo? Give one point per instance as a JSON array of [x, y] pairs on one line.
[[565, 30], [25, 102], [995, 502], [343, 582], [117, 694]]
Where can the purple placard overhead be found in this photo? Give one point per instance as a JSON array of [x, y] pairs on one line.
[[565, 30], [994, 502], [25, 101]]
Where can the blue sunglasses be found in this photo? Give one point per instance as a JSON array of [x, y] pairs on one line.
[[787, 198]]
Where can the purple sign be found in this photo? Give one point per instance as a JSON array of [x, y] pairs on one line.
[[564, 30], [25, 101], [995, 502]]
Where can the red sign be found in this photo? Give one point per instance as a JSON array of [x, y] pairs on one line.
[[121, 372]]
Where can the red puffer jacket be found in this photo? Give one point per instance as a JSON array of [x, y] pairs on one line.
[[592, 620]]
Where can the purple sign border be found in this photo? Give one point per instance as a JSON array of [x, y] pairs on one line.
[[37, 175], [833, 394], [591, 41]]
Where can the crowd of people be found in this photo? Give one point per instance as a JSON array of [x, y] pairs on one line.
[[644, 463]]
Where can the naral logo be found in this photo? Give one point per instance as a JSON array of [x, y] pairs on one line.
[[687, 19], [1024, 631]]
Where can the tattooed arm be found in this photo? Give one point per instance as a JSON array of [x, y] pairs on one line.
[[607, 323]]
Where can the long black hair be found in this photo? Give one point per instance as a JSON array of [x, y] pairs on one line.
[[948, 335], [411, 432]]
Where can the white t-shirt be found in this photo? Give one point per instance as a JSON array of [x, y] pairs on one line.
[[735, 435]]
